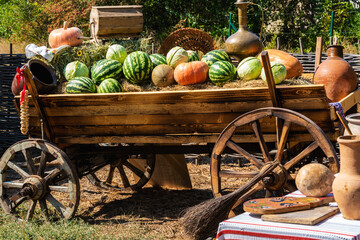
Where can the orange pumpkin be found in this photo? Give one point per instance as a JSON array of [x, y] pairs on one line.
[[65, 36], [191, 73], [293, 66]]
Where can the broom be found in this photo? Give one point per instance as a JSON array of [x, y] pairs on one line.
[[203, 219]]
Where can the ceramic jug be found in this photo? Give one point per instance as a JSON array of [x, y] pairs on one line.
[[346, 186], [243, 43], [336, 74]]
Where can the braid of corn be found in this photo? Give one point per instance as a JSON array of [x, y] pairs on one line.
[[24, 114]]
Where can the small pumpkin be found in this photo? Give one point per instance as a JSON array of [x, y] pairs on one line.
[[65, 36], [162, 75], [191, 73], [293, 66]]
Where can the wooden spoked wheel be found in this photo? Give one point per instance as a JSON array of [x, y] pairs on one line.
[[125, 173], [283, 176], [37, 177]]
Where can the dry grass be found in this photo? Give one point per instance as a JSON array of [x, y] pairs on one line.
[[17, 48]]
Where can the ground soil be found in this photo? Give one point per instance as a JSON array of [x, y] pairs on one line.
[[158, 209]]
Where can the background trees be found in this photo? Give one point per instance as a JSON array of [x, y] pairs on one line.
[[32, 20]]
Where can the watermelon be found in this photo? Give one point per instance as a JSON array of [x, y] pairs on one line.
[[109, 85], [193, 56], [116, 52], [175, 56], [222, 72], [215, 55], [105, 68], [137, 67], [249, 68], [158, 59], [81, 85]]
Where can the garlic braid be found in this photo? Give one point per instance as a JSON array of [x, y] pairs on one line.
[[24, 114]]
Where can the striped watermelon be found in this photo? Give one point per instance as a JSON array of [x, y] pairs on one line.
[[137, 67], [109, 85], [221, 72], [193, 56], [81, 85], [215, 55], [175, 56], [105, 68], [158, 59]]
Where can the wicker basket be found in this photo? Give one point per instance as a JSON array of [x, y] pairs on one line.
[[189, 39]]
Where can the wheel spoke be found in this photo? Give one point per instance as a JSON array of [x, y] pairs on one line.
[[123, 176], [52, 174], [56, 204], [134, 169], [244, 153], [111, 174], [63, 189], [257, 130], [17, 202], [31, 210], [15, 185], [17, 169], [290, 187], [44, 208], [284, 135], [42, 165], [29, 161], [236, 174], [301, 155]]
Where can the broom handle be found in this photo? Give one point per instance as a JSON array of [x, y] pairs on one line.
[[251, 184]]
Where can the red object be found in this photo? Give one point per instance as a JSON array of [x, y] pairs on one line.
[[19, 83], [191, 73]]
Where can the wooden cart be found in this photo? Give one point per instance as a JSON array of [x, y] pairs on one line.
[[85, 132]]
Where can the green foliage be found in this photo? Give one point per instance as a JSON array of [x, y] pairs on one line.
[[32, 20]]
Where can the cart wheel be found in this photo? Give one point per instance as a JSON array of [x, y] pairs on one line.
[[224, 178], [130, 177], [36, 172]]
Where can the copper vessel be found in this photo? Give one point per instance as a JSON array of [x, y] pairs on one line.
[[243, 43], [336, 74]]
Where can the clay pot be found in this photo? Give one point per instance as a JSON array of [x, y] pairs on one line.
[[243, 43], [346, 186], [336, 74], [42, 74]]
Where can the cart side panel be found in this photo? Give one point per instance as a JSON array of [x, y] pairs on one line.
[[175, 112]]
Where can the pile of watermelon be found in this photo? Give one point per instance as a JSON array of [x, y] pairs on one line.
[[179, 66]]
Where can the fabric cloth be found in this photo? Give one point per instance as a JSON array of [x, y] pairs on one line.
[[250, 226]]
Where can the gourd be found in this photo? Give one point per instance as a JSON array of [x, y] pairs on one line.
[[293, 66], [314, 180], [162, 75], [65, 36], [191, 73]]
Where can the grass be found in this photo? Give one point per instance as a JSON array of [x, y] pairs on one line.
[[79, 229]]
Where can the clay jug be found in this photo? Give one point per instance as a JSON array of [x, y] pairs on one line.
[[346, 186], [42, 74], [336, 74], [243, 43]]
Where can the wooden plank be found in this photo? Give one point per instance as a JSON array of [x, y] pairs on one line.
[[306, 217], [184, 96], [181, 108], [270, 79], [319, 45], [181, 138], [350, 100]]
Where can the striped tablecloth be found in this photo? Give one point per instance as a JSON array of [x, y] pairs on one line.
[[250, 226]]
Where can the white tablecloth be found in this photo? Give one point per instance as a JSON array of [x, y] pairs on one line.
[[250, 226]]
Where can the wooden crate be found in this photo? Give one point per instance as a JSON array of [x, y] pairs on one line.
[[116, 21]]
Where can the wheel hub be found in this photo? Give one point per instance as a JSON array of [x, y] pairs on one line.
[[34, 187], [276, 179]]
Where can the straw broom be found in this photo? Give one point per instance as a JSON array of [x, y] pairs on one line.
[[202, 220]]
